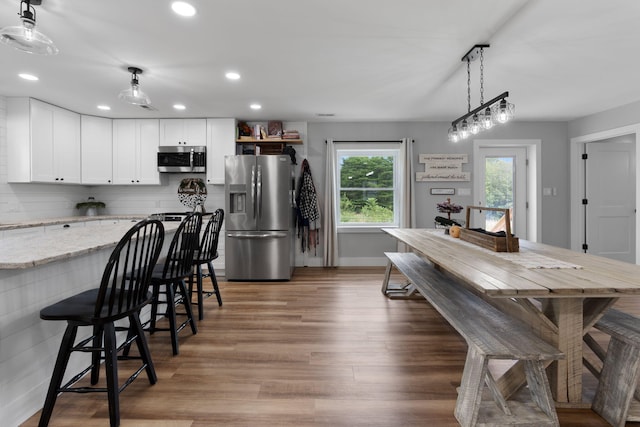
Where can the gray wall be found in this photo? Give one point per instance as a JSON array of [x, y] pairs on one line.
[[611, 119], [430, 137]]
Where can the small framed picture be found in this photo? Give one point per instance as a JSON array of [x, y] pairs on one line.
[[447, 191]]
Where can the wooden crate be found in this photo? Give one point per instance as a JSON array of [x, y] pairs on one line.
[[497, 244]]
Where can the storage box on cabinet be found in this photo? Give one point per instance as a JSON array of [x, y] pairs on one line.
[[43, 142], [135, 148]]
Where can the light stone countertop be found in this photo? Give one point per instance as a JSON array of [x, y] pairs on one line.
[[66, 220], [25, 251]]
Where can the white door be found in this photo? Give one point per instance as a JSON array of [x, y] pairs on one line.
[[501, 182], [610, 195]]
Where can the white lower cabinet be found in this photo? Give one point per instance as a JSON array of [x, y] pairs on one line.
[[135, 151]]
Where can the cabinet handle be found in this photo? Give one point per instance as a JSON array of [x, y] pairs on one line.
[[132, 180], [61, 179], [109, 181]]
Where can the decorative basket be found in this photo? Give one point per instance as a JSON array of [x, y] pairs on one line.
[[507, 243]]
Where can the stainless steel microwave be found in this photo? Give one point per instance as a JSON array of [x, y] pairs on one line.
[[182, 158]]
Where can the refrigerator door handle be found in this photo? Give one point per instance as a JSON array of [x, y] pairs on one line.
[[242, 235], [253, 190], [259, 191]]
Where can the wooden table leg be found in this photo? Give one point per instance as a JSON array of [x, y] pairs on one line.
[[566, 374]]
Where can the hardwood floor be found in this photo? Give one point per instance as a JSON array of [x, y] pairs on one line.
[[325, 349]]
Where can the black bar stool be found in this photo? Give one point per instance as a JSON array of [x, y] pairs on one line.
[[122, 294], [207, 252], [168, 279]]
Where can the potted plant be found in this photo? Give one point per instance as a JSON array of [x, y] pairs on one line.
[[91, 206]]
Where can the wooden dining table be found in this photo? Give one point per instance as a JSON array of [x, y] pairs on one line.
[[559, 292]]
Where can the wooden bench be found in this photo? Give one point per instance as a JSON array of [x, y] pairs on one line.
[[618, 379], [490, 334]]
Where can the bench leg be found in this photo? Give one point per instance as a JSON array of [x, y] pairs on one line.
[[470, 393], [396, 291], [495, 392], [618, 381], [387, 275], [539, 388]]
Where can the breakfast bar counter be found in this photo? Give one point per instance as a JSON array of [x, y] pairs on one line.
[[559, 292], [47, 264]]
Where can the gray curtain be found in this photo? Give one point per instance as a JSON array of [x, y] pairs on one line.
[[330, 235], [408, 219]]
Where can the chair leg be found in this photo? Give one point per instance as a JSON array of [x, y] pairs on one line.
[[95, 355], [171, 314], [154, 308], [143, 348], [214, 280], [187, 306], [200, 291], [111, 368], [62, 361]]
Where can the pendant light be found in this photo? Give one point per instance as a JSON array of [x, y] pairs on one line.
[[25, 37], [497, 110], [133, 94]]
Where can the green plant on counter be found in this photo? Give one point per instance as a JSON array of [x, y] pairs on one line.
[[90, 204]]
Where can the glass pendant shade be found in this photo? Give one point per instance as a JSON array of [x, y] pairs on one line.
[[474, 127], [464, 130], [133, 94], [25, 37], [503, 112], [453, 134], [486, 120]]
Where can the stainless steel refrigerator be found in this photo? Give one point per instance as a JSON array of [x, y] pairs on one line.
[[259, 203]]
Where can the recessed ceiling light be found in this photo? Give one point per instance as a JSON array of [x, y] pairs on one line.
[[255, 106], [232, 75], [26, 76], [183, 8], [104, 107], [179, 107]]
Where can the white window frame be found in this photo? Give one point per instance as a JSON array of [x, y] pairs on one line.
[[385, 149]]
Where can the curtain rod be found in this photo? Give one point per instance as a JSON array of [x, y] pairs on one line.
[[399, 141]]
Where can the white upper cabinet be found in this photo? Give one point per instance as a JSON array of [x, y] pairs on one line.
[[183, 132], [43, 142], [135, 151], [97, 150], [221, 141]]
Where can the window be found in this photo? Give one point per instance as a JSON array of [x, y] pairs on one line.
[[369, 186]]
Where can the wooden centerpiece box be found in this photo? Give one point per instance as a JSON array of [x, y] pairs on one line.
[[507, 243]]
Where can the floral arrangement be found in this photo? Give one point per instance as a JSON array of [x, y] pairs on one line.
[[449, 207]]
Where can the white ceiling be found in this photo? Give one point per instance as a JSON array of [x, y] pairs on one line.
[[361, 60]]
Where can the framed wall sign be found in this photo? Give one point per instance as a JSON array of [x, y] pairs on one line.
[[443, 167], [448, 191]]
